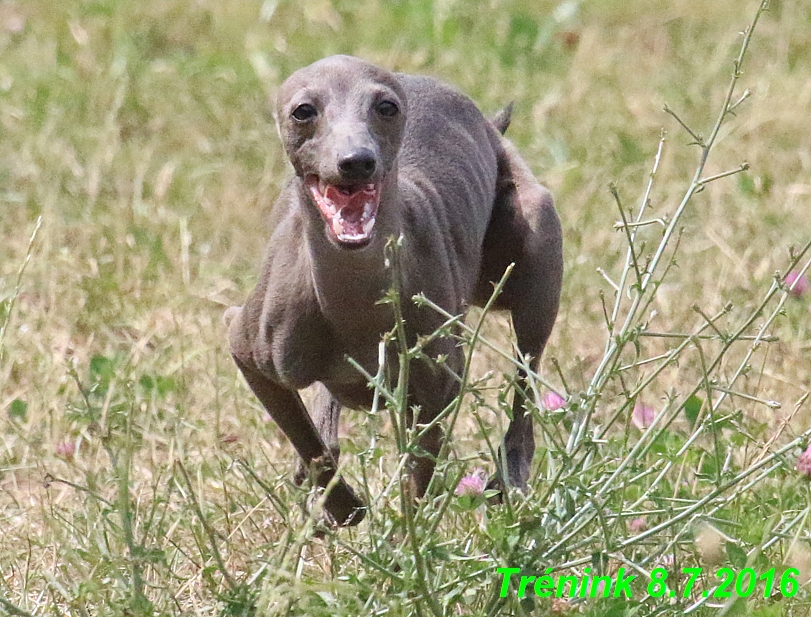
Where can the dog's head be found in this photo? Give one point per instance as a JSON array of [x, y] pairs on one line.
[[341, 120]]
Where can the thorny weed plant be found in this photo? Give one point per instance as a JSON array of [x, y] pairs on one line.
[[629, 473], [677, 479]]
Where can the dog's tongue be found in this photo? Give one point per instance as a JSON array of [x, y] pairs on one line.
[[350, 208], [349, 212]]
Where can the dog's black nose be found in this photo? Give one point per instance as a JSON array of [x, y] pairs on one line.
[[357, 165]]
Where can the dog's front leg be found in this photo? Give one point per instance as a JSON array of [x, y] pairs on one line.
[[288, 411], [326, 414]]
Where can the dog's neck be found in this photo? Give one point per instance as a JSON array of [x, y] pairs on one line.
[[356, 278]]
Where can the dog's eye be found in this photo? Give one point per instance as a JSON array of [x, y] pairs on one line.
[[304, 112], [387, 109]]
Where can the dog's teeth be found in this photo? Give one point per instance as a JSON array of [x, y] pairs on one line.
[[367, 226], [337, 227]]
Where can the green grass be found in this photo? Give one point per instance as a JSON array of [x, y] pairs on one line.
[[139, 476]]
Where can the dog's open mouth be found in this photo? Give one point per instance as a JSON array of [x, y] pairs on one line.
[[349, 211]]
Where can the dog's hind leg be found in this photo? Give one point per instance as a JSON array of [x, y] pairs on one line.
[[524, 230], [432, 387]]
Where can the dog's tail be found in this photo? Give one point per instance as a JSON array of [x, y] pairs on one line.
[[502, 119]]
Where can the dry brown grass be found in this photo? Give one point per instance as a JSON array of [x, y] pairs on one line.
[[139, 133]]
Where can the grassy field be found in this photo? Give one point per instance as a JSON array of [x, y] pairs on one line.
[[139, 476]]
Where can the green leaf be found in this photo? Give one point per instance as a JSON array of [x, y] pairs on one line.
[[692, 407], [737, 556], [165, 385], [147, 383], [102, 369], [18, 410]]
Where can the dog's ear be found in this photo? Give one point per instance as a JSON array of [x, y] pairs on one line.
[[502, 119]]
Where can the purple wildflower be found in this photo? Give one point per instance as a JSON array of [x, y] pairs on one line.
[[638, 525], [472, 485], [642, 416], [553, 401], [804, 462], [802, 284], [666, 561], [65, 450]]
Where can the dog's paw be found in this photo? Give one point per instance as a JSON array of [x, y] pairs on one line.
[[342, 506]]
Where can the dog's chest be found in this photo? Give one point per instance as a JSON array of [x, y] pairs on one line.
[[307, 348]]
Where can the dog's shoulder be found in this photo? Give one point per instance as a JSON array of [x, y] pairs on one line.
[[424, 92], [441, 117]]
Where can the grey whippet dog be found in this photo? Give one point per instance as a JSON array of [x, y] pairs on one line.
[[379, 154]]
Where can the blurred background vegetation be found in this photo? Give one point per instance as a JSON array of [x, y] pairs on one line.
[[141, 133]]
